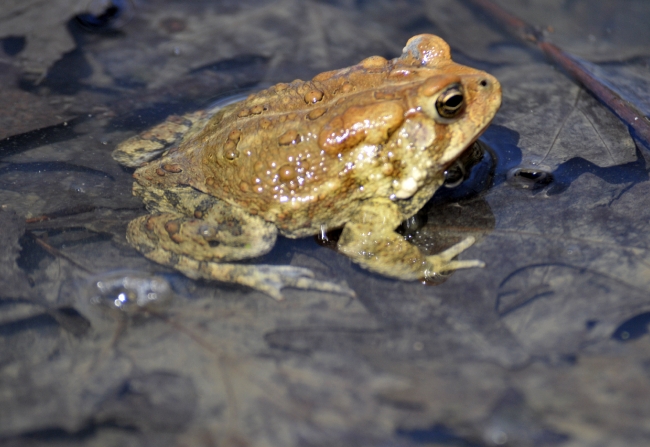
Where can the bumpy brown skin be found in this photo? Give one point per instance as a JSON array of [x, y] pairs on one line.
[[362, 148]]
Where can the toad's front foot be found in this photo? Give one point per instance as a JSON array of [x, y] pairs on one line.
[[443, 261], [370, 240]]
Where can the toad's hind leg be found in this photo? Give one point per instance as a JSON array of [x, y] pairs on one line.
[[148, 145], [200, 247]]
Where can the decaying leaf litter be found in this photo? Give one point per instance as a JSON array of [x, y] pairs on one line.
[[543, 346]]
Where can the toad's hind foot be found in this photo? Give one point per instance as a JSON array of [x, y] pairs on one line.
[[269, 279], [442, 262]]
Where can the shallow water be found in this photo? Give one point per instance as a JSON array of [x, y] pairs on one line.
[[546, 345]]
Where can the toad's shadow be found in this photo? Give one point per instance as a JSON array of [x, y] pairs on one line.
[[504, 142]]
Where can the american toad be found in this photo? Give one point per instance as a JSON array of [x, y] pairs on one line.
[[362, 148]]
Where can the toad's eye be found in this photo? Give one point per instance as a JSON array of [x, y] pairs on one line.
[[451, 101]]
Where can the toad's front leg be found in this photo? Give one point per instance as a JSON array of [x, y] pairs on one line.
[[369, 238]]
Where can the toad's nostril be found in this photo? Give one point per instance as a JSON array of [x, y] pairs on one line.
[[483, 83]]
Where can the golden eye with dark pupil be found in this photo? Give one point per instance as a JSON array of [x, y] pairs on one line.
[[451, 102]]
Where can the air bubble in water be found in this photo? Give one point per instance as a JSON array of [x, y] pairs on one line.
[[129, 291], [529, 177]]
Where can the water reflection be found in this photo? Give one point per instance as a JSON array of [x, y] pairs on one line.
[[129, 291]]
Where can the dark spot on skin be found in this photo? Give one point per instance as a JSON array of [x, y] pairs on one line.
[[232, 226], [174, 259], [172, 198], [206, 204], [144, 249]]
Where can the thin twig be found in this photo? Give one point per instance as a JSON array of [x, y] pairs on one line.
[[625, 111], [57, 253], [62, 213]]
